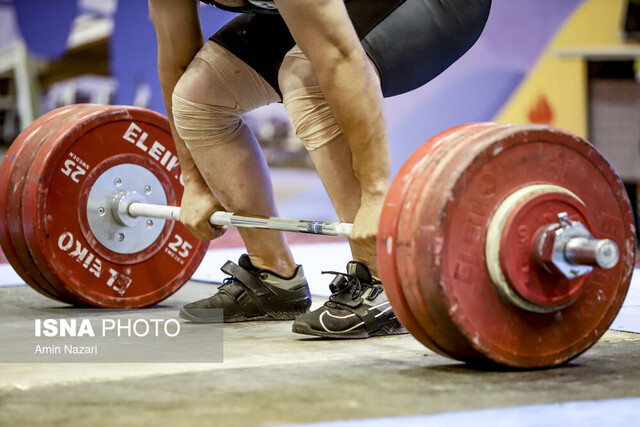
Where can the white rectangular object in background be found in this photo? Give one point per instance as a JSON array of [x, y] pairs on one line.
[[315, 258]]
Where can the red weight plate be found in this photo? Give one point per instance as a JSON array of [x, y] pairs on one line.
[[454, 277], [55, 210], [528, 279], [12, 176], [55, 120], [434, 320], [386, 249], [386, 238], [6, 171]]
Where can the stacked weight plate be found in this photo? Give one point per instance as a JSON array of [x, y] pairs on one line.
[[46, 179], [432, 244]]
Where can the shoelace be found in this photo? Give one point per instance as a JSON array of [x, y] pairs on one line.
[[354, 282], [228, 280]]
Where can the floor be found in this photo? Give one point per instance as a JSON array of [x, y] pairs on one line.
[[263, 374]]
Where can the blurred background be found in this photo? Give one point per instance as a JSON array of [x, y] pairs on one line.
[[569, 63]]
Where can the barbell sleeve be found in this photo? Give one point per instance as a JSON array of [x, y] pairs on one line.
[[221, 218], [603, 253]]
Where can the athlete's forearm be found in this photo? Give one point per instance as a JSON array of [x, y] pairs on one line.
[[324, 32], [179, 37]]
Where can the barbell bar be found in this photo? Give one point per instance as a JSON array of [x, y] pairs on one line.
[[229, 219], [581, 250]]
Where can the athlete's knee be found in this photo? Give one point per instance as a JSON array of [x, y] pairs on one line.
[[311, 117], [213, 94], [306, 106], [204, 125], [296, 71]]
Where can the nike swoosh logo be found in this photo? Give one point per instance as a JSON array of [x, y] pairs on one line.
[[375, 307], [337, 317]]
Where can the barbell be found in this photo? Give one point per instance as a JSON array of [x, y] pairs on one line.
[[507, 244]]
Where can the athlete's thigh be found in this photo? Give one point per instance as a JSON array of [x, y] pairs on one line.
[[413, 41]]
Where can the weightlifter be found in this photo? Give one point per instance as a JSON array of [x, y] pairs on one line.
[[330, 62]]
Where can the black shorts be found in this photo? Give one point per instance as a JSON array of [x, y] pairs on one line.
[[409, 41]]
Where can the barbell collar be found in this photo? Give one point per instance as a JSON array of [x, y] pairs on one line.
[[569, 248]]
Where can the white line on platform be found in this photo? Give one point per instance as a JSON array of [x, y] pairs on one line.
[[609, 412], [314, 258], [8, 276]]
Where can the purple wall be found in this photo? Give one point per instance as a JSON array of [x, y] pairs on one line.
[[45, 25], [134, 51]]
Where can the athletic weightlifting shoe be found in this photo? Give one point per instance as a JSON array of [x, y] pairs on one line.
[[252, 294], [358, 308]]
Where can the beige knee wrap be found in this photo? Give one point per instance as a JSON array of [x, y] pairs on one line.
[[203, 125], [311, 117]]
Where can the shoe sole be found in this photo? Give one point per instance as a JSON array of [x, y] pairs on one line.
[[288, 311], [391, 327]]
